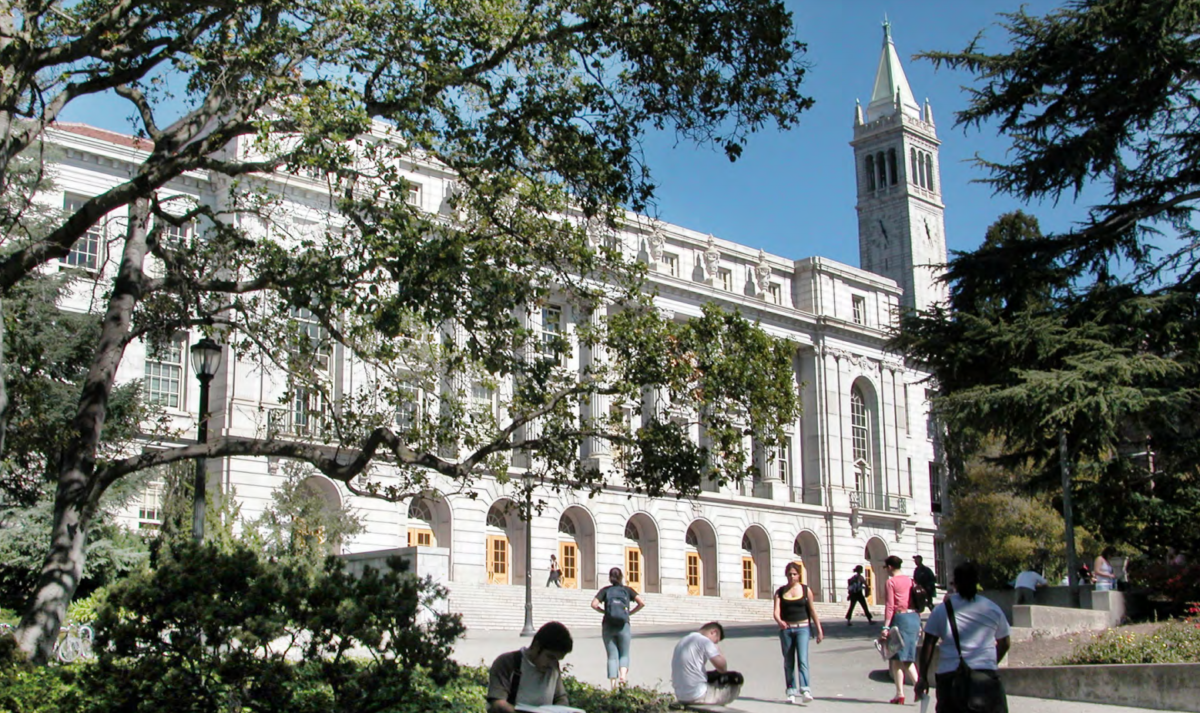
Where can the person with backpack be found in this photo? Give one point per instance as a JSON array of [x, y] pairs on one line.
[[902, 617], [798, 622], [857, 591], [617, 603], [530, 676], [974, 637], [555, 573]]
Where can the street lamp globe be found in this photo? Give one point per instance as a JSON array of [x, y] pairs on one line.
[[206, 358]]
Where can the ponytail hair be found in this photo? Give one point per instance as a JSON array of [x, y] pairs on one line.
[[615, 576]]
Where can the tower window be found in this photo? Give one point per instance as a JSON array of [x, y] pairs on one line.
[[881, 169], [871, 173], [891, 166], [913, 177], [929, 169], [921, 170]]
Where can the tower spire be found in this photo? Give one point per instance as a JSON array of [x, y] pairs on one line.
[[891, 92]]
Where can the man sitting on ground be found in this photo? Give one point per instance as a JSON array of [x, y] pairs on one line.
[[530, 676], [692, 682]]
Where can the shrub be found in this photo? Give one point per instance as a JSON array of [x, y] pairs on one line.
[[1179, 584], [1174, 642]]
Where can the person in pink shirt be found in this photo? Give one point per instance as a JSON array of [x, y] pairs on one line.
[[901, 618]]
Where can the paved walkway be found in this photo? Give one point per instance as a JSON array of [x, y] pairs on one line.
[[847, 673]]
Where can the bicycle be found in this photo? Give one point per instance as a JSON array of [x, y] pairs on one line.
[[75, 641]]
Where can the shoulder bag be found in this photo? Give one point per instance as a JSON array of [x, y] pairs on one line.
[[974, 690]]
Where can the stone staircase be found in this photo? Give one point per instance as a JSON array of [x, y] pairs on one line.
[[502, 607]]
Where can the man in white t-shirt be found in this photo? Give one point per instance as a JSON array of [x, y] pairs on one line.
[[983, 633], [692, 681], [1027, 584]]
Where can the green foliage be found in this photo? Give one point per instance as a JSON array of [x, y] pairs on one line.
[[1090, 96], [209, 629], [1178, 584], [40, 689], [1177, 641]]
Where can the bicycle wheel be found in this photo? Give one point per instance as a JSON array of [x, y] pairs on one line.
[[69, 649]]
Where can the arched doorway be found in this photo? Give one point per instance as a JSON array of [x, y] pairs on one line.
[[876, 573], [503, 530], [308, 527], [577, 548], [756, 563], [806, 553], [700, 559], [429, 521], [641, 553]]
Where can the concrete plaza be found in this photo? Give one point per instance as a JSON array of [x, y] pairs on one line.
[[847, 673]]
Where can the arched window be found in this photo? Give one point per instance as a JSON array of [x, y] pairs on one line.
[[860, 437], [419, 510], [881, 169], [691, 539], [747, 545], [797, 548], [497, 518], [921, 169], [913, 177], [892, 166], [929, 170], [870, 173], [566, 525], [631, 532]]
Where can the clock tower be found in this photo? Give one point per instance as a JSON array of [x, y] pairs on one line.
[[901, 228]]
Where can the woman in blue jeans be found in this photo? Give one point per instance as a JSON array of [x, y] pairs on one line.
[[617, 603], [797, 620]]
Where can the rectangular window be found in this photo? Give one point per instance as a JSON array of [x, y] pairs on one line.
[[163, 381], [860, 309], [85, 253], [150, 510], [726, 278], [775, 293], [413, 197], [408, 407], [935, 488], [553, 334], [309, 326], [308, 411], [939, 563], [910, 478], [670, 264], [177, 235], [783, 462], [930, 422]]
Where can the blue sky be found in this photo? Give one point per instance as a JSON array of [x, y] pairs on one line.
[[792, 193]]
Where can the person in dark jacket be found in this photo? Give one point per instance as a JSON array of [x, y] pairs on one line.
[[857, 591], [925, 578]]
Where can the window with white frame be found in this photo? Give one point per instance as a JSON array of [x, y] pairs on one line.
[[321, 347], [860, 437], [150, 509], [163, 380], [726, 280], [670, 264], [87, 251], [775, 293], [935, 488], [783, 461], [930, 421], [553, 334], [408, 407], [413, 194], [860, 309], [308, 411]]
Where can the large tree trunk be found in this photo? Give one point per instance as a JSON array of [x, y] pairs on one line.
[[78, 491]]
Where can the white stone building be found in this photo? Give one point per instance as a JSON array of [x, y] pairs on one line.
[[856, 481]]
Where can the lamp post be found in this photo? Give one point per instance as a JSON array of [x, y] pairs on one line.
[[527, 630], [206, 359]]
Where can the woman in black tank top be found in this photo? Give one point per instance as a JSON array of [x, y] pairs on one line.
[[797, 620]]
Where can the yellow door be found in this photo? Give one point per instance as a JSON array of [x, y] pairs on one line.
[[420, 537], [568, 561], [803, 571], [694, 573], [749, 577], [497, 559], [633, 568], [869, 573]]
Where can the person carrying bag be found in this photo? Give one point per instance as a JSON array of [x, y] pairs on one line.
[[968, 680]]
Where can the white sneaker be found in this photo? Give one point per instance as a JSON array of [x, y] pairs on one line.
[[806, 696], [791, 699]]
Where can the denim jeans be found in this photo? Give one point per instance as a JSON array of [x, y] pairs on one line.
[[794, 642], [616, 643]]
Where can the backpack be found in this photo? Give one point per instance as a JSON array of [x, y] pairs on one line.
[[616, 605], [856, 586], [918, 598]]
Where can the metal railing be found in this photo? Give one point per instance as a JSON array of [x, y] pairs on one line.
[[290, 423], [879, 502]]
